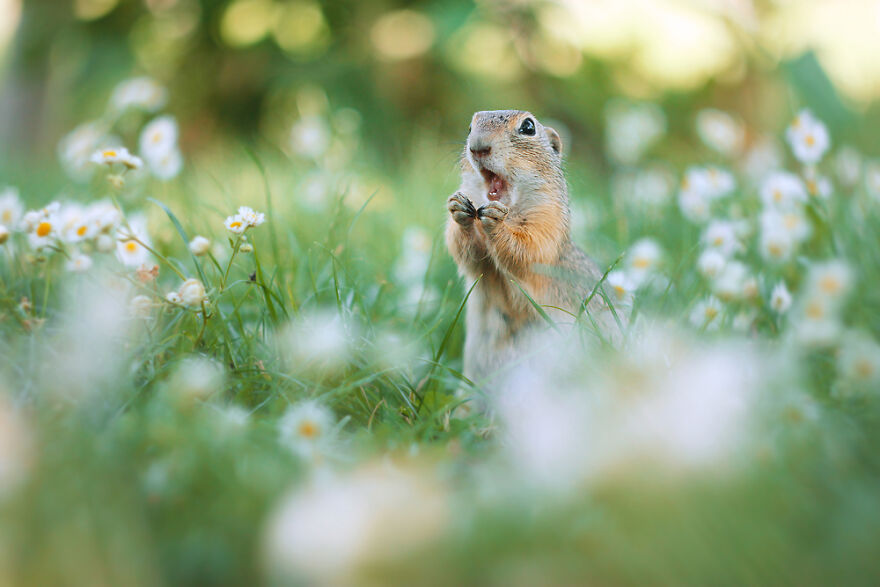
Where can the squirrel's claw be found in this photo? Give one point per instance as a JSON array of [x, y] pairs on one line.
[[461, 208], [492, 213]]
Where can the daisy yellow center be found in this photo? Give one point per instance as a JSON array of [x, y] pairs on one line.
[[641, 263], [791, 221], [864, 368], [44, 228], [810, 140], [131, 246], [7, 216], [830, 284], [815, 310], [718, 241], [619, 290], [235, 224], [308, 429], [110, 153], [774, 249], [711, 312], [157, 137], [81, 231], [777, 195]]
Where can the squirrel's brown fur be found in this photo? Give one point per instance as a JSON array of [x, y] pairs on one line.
[[509, 223]]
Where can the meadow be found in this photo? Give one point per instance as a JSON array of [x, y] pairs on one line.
[[242, 363]]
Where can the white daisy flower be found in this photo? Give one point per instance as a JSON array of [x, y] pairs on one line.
[[129, 251], [720, 131], [783, 190], [780, 298], [235, 224], [808, 138], [763, 157], [44, 228], [199, 246], [11, 208], [817, 323], [694, 205], [777, 243], [707, 314], [306, 427], [721, 235], [711, 263], [192, 292], [143, 93], [158, 137], [174, 298], [250, 217], [652, 187], [720, 182], [111, 155], [79, 263]]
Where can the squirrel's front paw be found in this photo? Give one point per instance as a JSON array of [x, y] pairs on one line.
[[461, 208], [492, 214]]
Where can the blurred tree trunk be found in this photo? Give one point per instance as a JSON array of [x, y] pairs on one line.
[[23, 95]]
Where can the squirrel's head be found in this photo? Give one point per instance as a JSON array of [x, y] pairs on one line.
[[509, 155]]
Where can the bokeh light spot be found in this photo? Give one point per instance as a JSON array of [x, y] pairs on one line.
[[402, 34]]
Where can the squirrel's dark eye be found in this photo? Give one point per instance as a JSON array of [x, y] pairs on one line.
[[527, 127]]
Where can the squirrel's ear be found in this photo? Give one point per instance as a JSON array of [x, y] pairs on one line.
[[555, 141]]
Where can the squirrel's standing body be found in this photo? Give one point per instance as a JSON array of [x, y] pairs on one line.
[[509, 223]]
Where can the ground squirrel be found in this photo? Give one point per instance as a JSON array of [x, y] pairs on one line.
[[509, 223]]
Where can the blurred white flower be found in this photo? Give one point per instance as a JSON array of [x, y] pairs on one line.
[[808, 138], [410, 267], [720, 131], [250, 217], [192, 292], [77, 147], [143, 93], [317, 340], [711, 263], [694, 205], [721, 236], [235, 224], [246, 248], [141, 306], [816, 323], [174, 297], [621, 286], [763, 157], [780, 298], [818, 185], [158, 137], [197, 378], [872, 179], [199, 245], [631, 129], [166, 166], [43, 226], [335, 531], [306, 428], [733, 281], [858, 362], [707, 314], [848, 166], [643, 258], [777, 242], [831, 280], [79, 263], [310, 137], [11, 208], [783, 190], [105, 243], [4, 234], [652, 187]]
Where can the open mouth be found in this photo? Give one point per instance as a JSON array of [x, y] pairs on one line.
[[496, 183]]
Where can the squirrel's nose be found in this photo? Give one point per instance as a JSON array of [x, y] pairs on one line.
[[479, 149]]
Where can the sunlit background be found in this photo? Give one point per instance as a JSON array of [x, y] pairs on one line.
[[231, 335]]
